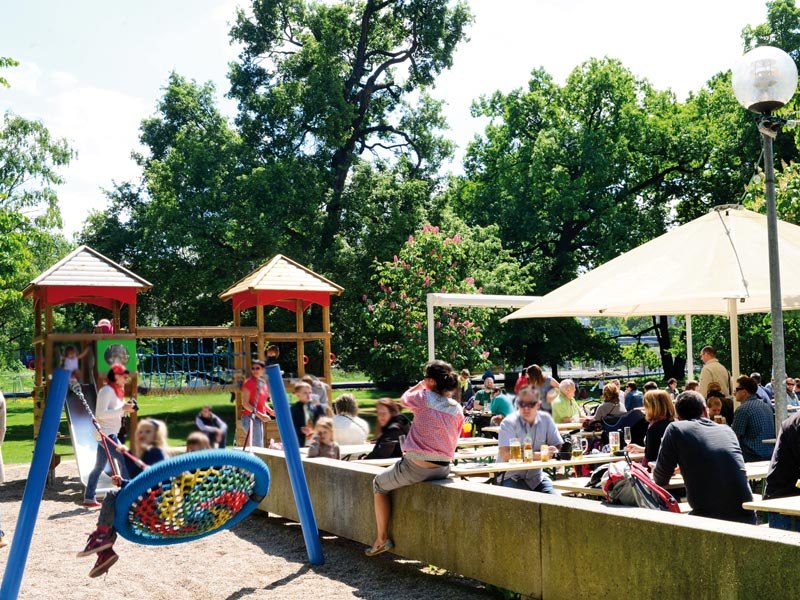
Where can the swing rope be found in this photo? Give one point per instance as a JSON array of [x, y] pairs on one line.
[[187, 497], [75, 387]]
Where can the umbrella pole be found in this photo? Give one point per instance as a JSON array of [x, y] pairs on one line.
[[689, 349], [733, 319]]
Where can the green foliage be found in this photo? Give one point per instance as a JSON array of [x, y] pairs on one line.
[[29, 158], [641, 354], [6, 62], [575, 175], [327, 82], [394, 313]]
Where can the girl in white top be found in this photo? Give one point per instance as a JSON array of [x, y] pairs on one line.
[[348, 427]]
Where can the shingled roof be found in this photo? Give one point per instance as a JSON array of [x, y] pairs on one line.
[[281, 282], [85, 275]]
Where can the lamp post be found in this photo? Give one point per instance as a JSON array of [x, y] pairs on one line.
[[764, 80]]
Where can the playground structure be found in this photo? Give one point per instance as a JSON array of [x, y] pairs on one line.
[[173, 359]]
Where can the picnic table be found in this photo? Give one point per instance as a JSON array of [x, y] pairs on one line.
[[790, 506], [469, 469], [473, 442]]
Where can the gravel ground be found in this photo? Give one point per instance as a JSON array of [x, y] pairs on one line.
[[262, 557]]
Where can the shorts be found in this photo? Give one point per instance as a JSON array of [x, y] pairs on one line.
[[403, 473]]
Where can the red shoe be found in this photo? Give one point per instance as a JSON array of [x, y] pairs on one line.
[[99, 541], [92, 504], [105, 560]]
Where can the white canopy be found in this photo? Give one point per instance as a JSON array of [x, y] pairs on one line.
[[714, 265], [480, 300]]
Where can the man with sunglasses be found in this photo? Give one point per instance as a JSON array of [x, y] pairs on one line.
[[255, 411], [528, 421]]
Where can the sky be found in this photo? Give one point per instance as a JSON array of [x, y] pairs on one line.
[[91, 70]]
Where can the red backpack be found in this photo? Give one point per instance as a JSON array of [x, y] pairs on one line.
[[629, 483]]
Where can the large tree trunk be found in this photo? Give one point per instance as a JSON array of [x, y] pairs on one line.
[[673, 366]]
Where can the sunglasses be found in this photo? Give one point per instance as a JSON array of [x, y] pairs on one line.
[[256, 368], [527, 404]]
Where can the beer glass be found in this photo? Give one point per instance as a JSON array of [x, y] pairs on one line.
[[613, 442]]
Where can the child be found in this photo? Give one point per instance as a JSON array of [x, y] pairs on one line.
[[304, 412], [196, 441], [70, 360], [151, 438], [429, 447], [322, 444], [715, 410]]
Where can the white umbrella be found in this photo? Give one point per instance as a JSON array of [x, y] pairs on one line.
[[714, 265]]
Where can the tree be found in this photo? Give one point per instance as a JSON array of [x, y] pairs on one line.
[[575, 175], [394, 319], [29, 217], [4, 63], [330, 82]]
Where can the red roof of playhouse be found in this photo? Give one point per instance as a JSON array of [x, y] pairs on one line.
[[87, 276], [281, 282]]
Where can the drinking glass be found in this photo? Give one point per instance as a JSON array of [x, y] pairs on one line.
[[613, 442], [627, 435]]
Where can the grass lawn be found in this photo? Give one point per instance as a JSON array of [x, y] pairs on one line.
[[177, 411]]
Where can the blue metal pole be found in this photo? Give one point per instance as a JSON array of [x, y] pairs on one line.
[[34, 488], [297, 476]]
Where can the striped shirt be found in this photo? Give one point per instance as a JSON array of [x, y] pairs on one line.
[[436, 428]]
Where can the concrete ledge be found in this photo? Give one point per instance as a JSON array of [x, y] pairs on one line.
[[543, 546]]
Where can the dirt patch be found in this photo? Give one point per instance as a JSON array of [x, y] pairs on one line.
[[262, 557]]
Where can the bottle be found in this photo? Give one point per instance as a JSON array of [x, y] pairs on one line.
[[515, 451], [527, 450]]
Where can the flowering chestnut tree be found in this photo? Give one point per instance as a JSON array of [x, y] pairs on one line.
[[395, 312]]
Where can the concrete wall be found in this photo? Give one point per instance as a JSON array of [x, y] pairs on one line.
[[548, 547]]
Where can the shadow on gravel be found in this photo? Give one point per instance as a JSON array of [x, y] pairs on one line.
[[370, 578]]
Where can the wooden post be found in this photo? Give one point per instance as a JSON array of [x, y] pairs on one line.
[[238, 365], [260, 324], [301, 345], [132, 317], [326, 345], [115, 309]]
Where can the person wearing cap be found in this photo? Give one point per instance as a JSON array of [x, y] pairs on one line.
[[109, 410], [255, 411]]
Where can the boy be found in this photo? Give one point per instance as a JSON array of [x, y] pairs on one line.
[[305, 412]]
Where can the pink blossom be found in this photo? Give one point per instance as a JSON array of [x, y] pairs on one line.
[[484, 354], [452, 321], [396, 260], [470, 280], [456, 239], [418, 325], [467, 323], [427, 281], [402, 295], [439, 325], [411, 240], [370, 307], [435, 229], [392, 305]]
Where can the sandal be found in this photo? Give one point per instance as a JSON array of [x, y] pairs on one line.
[[387, 545]]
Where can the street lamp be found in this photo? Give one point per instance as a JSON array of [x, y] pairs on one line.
[[764, 80]]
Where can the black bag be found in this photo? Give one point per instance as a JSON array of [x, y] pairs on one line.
[[565, 453]]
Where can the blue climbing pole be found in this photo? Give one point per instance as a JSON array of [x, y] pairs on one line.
[[34, 488], [297, 476]]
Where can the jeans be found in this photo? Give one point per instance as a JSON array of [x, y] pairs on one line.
[[544, 487], [212, 438], [777, 521], [257, 435], [101, 460], [108, 511]]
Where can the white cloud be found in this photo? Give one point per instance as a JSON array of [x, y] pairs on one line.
[[24, 78]]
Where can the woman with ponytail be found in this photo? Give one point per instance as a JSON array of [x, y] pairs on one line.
[[429, 446]]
